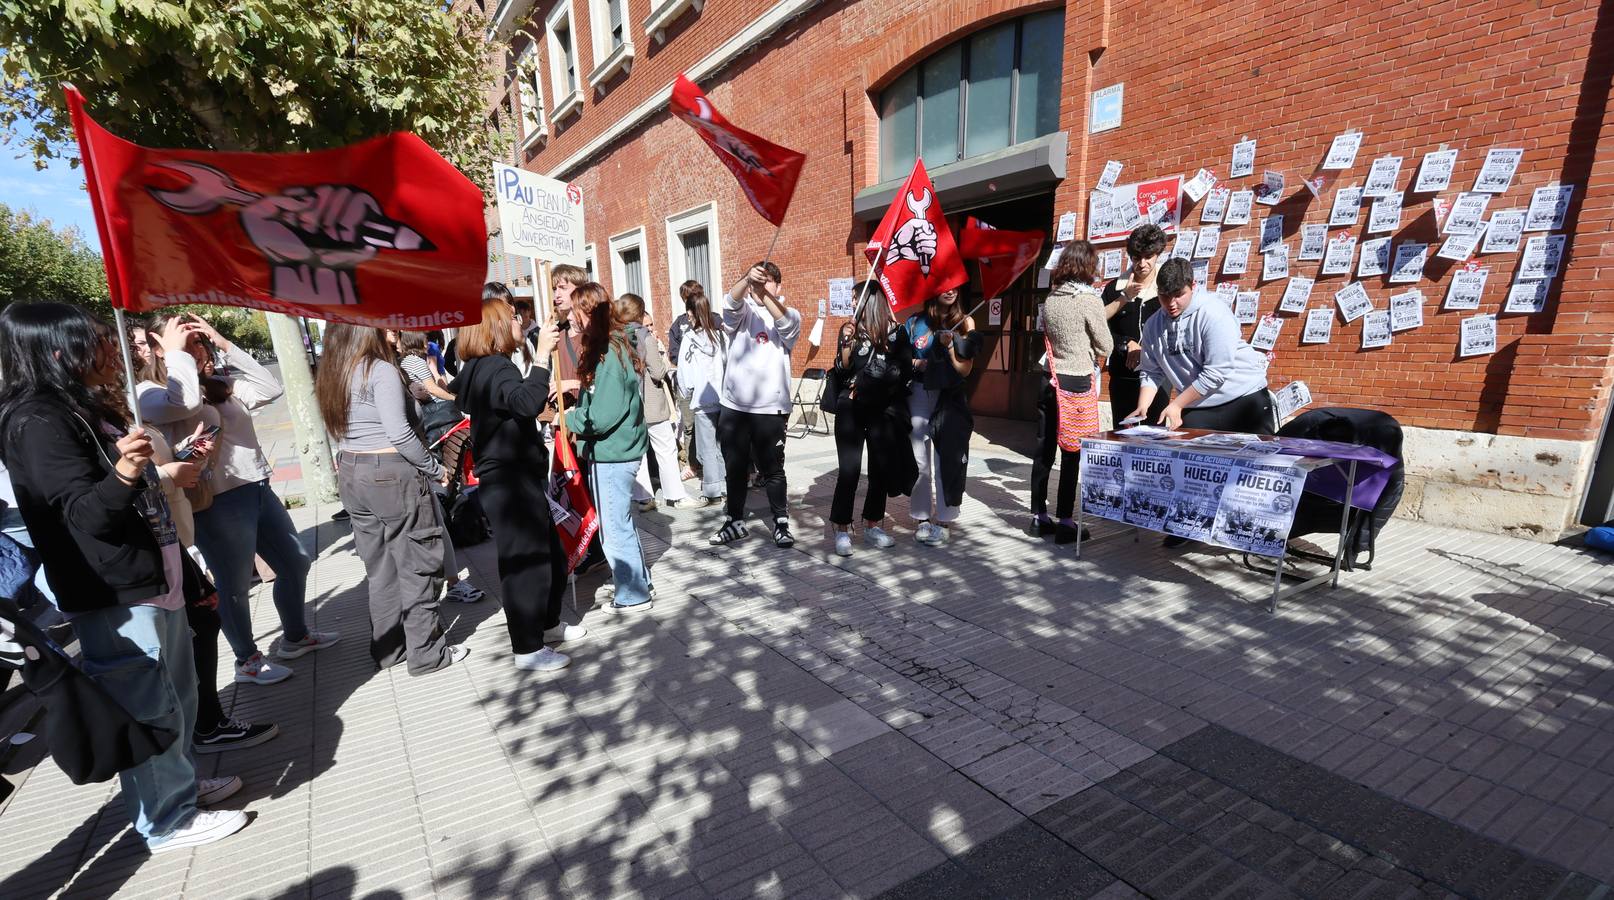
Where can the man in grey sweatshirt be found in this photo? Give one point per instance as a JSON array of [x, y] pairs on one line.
[[1193, 346], [755, 397]]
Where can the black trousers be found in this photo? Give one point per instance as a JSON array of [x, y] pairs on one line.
[[1042, 464], [1251, 414], [850, 438], [532, 562], [204, 624], [759, 438], [1124, 397]]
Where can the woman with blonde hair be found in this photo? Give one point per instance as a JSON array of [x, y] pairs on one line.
[[512, 465]]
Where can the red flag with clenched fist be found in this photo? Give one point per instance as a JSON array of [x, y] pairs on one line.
[[576, 519], [766, 171], [913, 248], [383, 233], [1002, 255]]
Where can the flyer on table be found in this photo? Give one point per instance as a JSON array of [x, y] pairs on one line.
[[1258, 506], [1200, 478], [1103, 480], [1149, 486]]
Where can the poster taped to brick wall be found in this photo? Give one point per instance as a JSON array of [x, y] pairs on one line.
[[1478, 335], [1067, 228], [1406, 310], [1459, 247], [1237, 259], [1375, 260], [539, 218], [1347, 207], [1270, 190], [1110, 264], [1376, 329], [1526, 297], [1319, 326], [1227, 292], [1410, 257], [1505, 232], [1541, 257], [1382, 177], [1275, 263], [1183, 246], [1247, 307], [1342, 152], [1435, 173], [1341, 251], [1258, 505], [1467, 213], [1129, 206], [1271, 232], [1106, 179], [1353, 301], [1205, 244], [1496, 176], [1243, 160], [1215, 205], [1467, 287], [1313, 241], [1199, 479], [1385, 214], [1202, 182], [840, 297], [1239, 206], [1103, 480], [1549, 207], [1296, 294], [1266, 333]]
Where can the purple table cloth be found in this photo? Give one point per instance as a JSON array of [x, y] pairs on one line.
[[1372, 469]]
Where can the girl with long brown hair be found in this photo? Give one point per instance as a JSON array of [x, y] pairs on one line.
[[699, 356], [385, 477], [609, 424], [944, 343]]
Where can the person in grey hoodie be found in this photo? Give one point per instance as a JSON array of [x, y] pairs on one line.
[[1193, 346], [761, 332]]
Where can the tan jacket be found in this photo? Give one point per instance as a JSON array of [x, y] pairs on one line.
[[1077, 330], [657, 402]]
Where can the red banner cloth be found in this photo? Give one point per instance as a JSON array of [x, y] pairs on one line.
[[1002, 255], [766, 171], [576, 519], [384, 233], [913, 248]]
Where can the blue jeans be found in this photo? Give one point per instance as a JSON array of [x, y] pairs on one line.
[[11, 523], [243, 521], [714, 474], [141, 655], [613, 496]]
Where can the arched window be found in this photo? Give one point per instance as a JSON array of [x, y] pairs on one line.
[[995, 88]]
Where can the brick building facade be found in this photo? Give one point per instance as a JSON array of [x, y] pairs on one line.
[[1508, 440]]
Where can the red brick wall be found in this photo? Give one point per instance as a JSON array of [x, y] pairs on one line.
[[1198, 78]]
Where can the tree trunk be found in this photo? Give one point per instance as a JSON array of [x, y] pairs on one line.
[[319, 476]]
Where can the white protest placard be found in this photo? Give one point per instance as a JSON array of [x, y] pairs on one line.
[[1342, 152], [1467, 287], [1460, 247], [1266, 333], [1382, 177], [1353, 301], [1237, 259], [1243, 159], [1313, 241], [1505, 232], [1292, 398], [1341, 250], [1247, 307], [1296, 294], [1275, 263], [1271, 232], [1542, 254], [1067, 228], [840, 296], [1103, 480], [1239, 206], [1407, 267], [1227, 292], [1106, 179], [1201, 272], [1110, 264], [1197, 494], [1385, 215], [1215, 206], [1478, 335], [1526, 297], [1497, 174], [1183, 246], [1197, 186], [1319, 326], [1270, 190], [1375, 259], [1549, 207], [1435, 173], [1205, 245], [1106, 108], [1406, 310], [539, 218], [1467, 213], [1376, 330], [1347, 207]]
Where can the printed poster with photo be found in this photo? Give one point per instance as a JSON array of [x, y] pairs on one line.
[[1258, 505], [1130, 205], [1149, 486], [1200, 478], [1103, 480]]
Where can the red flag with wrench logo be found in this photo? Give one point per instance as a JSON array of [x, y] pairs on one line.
[[383, 233], [913, 249]]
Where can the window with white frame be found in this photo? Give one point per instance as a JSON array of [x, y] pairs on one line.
[[693, 251], [562, 40], [590, 268], [613, 44], [630, 265], [530, 91]]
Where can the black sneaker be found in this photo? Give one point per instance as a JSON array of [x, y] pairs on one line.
[[1043, 528], [731, 531], [340, 515], [1066, 534], [781, 534], [234, 735]]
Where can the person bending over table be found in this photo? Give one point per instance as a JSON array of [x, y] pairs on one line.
[[1195, 349]]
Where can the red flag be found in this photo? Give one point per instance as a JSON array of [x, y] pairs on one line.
[[913, 248], [767, 172], [1002, 255], [576, 520], [384, 233]]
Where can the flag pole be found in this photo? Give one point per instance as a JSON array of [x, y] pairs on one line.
[[128, 364], [776, 231]]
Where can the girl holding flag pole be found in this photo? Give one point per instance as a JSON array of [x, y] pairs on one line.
[[944, 343]]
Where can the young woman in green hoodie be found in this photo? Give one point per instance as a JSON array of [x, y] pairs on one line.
[[609, 424]]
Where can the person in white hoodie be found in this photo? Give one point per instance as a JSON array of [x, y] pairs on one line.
[[700, 354], [755, 398], [1193, 346]]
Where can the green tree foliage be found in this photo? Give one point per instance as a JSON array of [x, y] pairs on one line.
[[267, 75], [37, 262]]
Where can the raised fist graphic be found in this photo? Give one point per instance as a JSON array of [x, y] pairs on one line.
[[916, 238]]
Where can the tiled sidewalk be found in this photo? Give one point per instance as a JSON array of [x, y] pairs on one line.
[[992, 719]]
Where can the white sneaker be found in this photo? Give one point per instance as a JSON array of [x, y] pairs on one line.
[[213, 791], [464, 592], [921, 532], [545, 660], [203, 828], [876, 537], [314, 640], [563, 633], [938, 536], [457, 652], [843, 543], [257, 670]]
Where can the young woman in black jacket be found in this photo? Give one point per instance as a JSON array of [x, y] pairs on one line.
[[86, 490], [873, 365]]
